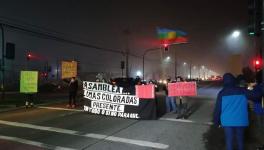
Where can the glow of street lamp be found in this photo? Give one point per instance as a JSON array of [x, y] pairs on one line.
[[167, 59], [184, 63], [138, 73], [235, 34]]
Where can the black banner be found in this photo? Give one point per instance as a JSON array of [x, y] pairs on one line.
[[109, 100]]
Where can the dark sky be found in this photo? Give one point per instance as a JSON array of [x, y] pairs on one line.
[[102, 22]]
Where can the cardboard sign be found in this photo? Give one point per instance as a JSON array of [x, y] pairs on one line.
[[182, 89], [68, 69], [29, 82], [145, 91]]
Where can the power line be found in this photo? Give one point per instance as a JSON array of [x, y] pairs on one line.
[[48, 35]]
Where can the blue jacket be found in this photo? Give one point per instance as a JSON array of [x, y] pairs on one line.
[[231, 107]]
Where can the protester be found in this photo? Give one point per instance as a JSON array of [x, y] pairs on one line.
[[29, 100], [181, 103], [231, 110], [170, 100], [73, 88], [259, 107]]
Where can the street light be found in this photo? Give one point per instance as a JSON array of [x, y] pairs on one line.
[[167, 59], [143, 65], [236, 34], [138, 73]]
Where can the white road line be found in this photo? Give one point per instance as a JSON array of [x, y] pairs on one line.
[[34, 143], [31, 126], [90, 135], [58, 108], [129, 141], [186, 121]]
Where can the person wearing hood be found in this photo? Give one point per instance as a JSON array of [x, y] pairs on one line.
[[231, 110]]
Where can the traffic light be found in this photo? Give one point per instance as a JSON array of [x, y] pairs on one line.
[[10, 51], [255, 17], [29, 56], [166, 47], [44, 75], [257, 64], [122, 64]]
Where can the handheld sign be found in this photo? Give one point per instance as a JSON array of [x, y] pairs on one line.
[[29, 82], [182, 89], [145, 91], [68, 69]]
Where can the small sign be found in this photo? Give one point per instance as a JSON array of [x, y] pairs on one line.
[[29, 82], [182, 89], [145, 91], [68, 69]]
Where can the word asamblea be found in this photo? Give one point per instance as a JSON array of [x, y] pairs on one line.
[[96, 86]]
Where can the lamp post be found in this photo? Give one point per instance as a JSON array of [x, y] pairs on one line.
[[184, 69], [154, 49], [3, 62], [144, 54]]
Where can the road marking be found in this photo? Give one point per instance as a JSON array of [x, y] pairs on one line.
[[128, 141], [34, 143], [58, 108], [31, 126], [186, 121], [89, 135]]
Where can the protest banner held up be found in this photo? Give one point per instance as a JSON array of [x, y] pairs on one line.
[[28, 81], [109, 100], [68, 69], [145, 91], [182, 89]]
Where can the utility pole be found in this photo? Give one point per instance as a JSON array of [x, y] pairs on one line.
[[3, 63], [191, 70], [57, 72], [127, 33], [176, 65]]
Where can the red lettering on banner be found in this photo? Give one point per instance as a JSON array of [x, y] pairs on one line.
[[182, 89], [145, 91]]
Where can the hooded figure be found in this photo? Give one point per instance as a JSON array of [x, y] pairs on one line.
[[231, 110]]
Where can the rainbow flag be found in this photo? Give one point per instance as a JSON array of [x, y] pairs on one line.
[[171, 36]]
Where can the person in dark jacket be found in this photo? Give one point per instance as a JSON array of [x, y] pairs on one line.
[[231, 110], [73, 88], [170, 100]]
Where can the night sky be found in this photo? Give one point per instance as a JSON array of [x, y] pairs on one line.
[[103, 22]]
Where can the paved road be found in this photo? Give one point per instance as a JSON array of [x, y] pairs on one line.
[[55, 127]]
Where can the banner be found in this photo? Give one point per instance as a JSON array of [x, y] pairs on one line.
[[145, 91], [28, 81], [109, 100], [68, 69], [182, 89]]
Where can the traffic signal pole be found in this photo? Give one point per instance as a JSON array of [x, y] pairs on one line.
[[154, 49], [143, 65], [3, 62]]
